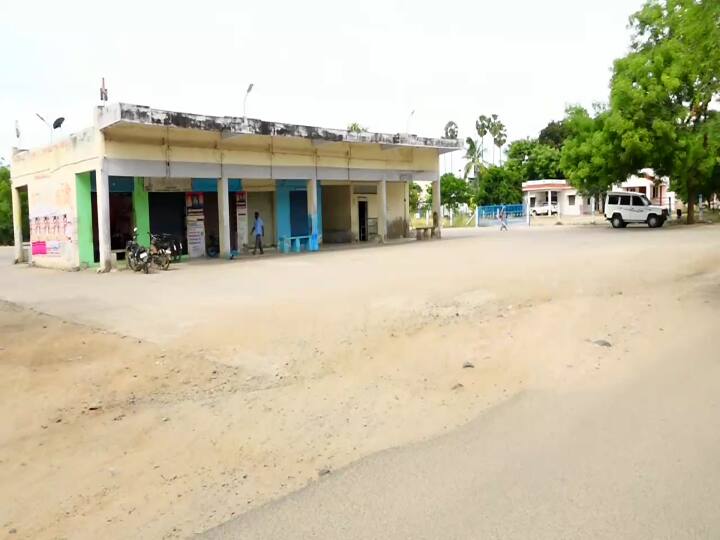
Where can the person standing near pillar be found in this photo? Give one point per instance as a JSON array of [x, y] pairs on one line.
[[259, 231]]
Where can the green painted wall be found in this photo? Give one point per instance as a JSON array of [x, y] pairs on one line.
[[84, 218], [141, 209]]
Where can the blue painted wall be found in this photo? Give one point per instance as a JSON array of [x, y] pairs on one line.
[[282, 205], [299, 225], [283, 225], [117, 184], [319, 210], [209, 185]]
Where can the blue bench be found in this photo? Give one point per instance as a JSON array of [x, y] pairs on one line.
[[286, 244]]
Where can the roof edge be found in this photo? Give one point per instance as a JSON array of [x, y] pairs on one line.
[[115, 113]]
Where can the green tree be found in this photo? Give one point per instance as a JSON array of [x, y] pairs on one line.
[[474, 161], [554, 134], [6, 218], [356, 128], [496, 129], [498, 185], [530, 160], [454, 191], [415, 195], [450, 131], [588, 157], [661, 96], [482, 127]]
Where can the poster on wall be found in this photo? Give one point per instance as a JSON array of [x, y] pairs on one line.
[[51, 230], [242, 219], [195, 220]]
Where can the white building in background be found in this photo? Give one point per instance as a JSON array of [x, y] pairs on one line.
[[565, 200], [655, 188], [555, 196]]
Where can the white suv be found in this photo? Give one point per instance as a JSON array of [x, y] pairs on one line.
[[622, 208]]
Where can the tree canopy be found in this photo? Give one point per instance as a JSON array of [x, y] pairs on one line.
[[554, 134], [454, 191], [531, 160], [588, 157], [415, 193], [6, 223], [661, 96]]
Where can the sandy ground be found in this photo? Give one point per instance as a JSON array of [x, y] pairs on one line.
[[161, 406]]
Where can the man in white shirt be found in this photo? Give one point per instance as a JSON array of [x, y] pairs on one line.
[[259, 231]]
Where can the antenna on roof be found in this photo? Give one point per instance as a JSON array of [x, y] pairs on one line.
[[103, 91]]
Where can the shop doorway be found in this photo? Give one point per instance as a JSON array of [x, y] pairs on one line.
[[363, 221], [121, 227], [212, 226], [298, 213], [262, 202], [167, 215]]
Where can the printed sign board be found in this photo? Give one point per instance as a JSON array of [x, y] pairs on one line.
[[195, 220], [242, 219]]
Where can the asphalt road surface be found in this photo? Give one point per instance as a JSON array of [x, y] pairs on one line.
[[635, 460]]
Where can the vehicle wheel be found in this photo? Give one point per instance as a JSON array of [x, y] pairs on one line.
[[617, 222], [653, 221], [130, 260], [146, 268], [163, 260], [533, 213]]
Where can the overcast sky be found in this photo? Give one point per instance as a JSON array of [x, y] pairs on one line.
[[324, 63]]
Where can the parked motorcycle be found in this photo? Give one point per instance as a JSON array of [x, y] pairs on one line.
[[137, 256], [160, 253], [212, 247], [170, 243]]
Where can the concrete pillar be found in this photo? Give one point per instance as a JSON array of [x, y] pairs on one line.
[[406, 232], [437, 206], [527, 208], [312, 209], [549, 201], [102, 188], [353, 212], [224, 216], [382, 210], [141, 210], [17, 226]]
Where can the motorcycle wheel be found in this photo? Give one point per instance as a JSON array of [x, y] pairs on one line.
[[146, 268], [130, 259], [161, 260]]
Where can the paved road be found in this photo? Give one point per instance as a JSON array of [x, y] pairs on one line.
[[639, 460]]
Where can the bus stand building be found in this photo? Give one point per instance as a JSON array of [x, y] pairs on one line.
[[202, 178]]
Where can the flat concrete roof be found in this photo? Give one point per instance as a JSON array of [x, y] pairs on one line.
[[232, 127]]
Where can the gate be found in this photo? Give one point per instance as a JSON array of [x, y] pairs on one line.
[[486, 216]]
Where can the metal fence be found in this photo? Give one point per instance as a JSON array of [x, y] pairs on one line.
[[487, 215]]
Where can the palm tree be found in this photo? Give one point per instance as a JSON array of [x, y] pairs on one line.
[[356, 128], [473, 155], [494, 130], [450, 131], [482, 125], [500, 137]]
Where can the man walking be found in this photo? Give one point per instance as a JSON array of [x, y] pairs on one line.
[[259, 231], [502, 216]]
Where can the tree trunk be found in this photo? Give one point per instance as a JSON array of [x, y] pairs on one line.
[[691, 207]]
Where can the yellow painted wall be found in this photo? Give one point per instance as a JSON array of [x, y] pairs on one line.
[[396, 209], [157, 143], [335, 208]]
